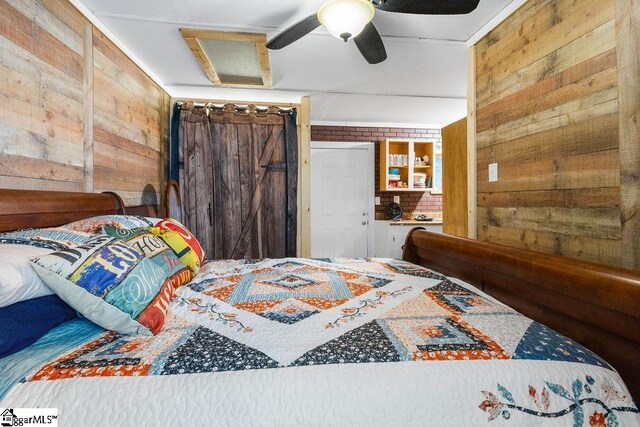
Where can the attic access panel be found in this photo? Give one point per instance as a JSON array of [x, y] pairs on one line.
[[231, 59]]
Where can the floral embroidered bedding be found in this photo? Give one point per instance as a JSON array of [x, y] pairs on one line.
[[321, 342]]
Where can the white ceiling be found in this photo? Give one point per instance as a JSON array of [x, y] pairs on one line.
[[423, 81]]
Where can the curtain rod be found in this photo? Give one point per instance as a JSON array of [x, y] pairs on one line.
[[239, 106], [204, 103], [243, 106]]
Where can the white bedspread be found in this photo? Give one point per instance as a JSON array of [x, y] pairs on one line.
[[318, 342]]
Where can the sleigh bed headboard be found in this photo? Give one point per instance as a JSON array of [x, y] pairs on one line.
[[596, 305], [38, 209], [173, 201]]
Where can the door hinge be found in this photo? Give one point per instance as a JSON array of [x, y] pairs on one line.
[[275, 166]]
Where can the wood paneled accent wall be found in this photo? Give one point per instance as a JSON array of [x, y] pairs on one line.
[[455, 192], [77, 114], [557, 104]]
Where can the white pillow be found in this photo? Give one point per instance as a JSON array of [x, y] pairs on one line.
[[18, 279]]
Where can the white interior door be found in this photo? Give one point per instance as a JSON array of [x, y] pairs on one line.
[[341, 200]]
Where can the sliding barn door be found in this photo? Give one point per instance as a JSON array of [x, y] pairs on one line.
[[251, 184]]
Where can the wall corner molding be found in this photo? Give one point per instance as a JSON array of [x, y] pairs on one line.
[[628, 47]]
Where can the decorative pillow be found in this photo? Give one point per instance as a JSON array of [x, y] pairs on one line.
[[18, 280], [154, 248], [184, 244], [180, 247], [95, 224], [109, 283], [152, 221], [53, 238], [23, 323]]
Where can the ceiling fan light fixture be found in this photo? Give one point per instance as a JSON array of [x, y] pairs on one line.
[[345, 19]]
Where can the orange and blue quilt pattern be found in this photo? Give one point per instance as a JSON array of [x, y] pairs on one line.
[[256, 314]]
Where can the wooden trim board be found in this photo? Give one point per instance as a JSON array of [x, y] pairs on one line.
[[304, 178], [628, 49], [472, 153], [203, 60], [88, 107], [193, 39]]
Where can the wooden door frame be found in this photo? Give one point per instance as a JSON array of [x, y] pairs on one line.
[[371, 181], [472, 155]]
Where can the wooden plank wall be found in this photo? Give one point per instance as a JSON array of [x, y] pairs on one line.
[[547, 100], [455, 214], [77, 114]]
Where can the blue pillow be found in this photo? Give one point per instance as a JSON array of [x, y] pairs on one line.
[[23, 323]]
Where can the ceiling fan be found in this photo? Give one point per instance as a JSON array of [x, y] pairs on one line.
[[351, 19]]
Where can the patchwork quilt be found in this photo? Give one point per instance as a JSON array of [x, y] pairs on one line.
[[323, 342]]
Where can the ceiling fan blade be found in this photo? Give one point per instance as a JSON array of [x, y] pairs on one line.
[[430, 7], [294, 32], [370, 45]]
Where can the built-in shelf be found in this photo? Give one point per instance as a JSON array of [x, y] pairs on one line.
[[406, 151]]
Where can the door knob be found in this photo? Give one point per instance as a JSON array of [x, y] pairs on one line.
[[365, 222]]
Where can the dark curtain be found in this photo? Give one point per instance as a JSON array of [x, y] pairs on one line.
[[196, 174], [239, 180], [174, 153]]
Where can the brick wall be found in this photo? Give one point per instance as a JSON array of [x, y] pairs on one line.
[[412, 203]]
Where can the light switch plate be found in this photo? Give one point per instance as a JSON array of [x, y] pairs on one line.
[[396, 199], [377, 201], [493, 172]]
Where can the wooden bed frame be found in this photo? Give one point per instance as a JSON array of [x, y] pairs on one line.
[[173, 201], [596, 305], [38, 209]]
